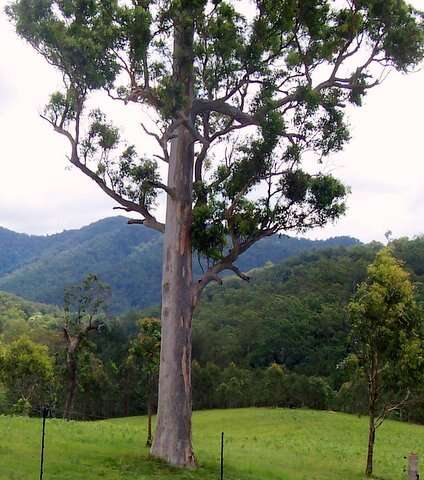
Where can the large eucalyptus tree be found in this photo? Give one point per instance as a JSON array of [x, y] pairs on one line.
[[240, 90]]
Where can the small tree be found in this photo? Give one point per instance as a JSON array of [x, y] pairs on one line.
[[84, 313], [27, 372], [144, 356], [281, 71], [206, 380], [274, 386], [387, 337]]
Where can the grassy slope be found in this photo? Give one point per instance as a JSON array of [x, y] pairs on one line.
[[266, 444]]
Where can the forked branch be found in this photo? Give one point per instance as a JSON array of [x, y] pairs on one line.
[[128, 205]]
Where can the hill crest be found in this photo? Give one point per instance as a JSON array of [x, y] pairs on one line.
[[128, 257]]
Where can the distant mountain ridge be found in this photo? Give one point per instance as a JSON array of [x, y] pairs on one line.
[[128, 257]]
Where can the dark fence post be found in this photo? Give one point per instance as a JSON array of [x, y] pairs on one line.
[[222, 456], [45, 413]]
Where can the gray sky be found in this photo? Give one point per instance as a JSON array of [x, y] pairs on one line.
[[383, 164]]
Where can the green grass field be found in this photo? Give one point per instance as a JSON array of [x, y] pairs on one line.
[[261, 444]]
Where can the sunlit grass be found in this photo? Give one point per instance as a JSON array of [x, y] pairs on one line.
[[269, 444]]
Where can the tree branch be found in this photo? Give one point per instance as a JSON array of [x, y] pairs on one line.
[[162, 141], [149, 220], [239, 273], [220, 106], [66, 334], [391, 408], [170, 191], [227, 263], [137, 93]]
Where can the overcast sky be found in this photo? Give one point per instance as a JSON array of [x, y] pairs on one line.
[[383, 164]]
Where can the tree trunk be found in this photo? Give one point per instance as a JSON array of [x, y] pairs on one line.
[[72, 385], [173, 432], [172, 441], [372, 403], [371, 441], [126, 395], [126, 404], [149, 422]]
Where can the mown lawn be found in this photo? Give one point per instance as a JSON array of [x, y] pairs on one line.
[[268, 444]]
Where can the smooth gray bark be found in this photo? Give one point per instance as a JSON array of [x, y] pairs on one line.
[[173, 438]]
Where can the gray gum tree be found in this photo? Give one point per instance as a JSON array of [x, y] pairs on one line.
[[241, 91]]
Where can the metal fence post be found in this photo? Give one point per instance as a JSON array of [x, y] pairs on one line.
[[45, 413], [222, 456]]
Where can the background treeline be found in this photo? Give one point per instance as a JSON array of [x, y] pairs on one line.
[[280, 340], [127, 257]]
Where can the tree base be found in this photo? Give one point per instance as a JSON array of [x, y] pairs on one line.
[[175, 459]]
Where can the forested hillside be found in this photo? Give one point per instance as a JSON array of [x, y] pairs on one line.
[[127, 257], [277, 340], [293, 313], [19, 317]]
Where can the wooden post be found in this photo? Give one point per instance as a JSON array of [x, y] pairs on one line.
[[413, 472]]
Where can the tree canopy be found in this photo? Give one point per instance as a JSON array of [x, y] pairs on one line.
[[284, 70], [388, 339], [27, 371], [280, 71], [143, 357]]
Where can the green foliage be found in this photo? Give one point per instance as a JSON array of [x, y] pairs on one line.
[[136, 23], [125, 256], [394, 21], [311, 392], [76, 37], [130, 175], [209, 234], [235, 386], [142, 365], [205, 381], [21, 407], [84, 304], [144, 351], [4, 404], [27, 372], [170, 97], [388, 338], [285, 72], [292, 314], [281, 341], [94, 385], [352, 397], [62, 108], [387, 323], [18, 316], [274, 384]]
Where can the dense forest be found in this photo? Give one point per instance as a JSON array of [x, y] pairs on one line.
[[127, 257], [281, 339]]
